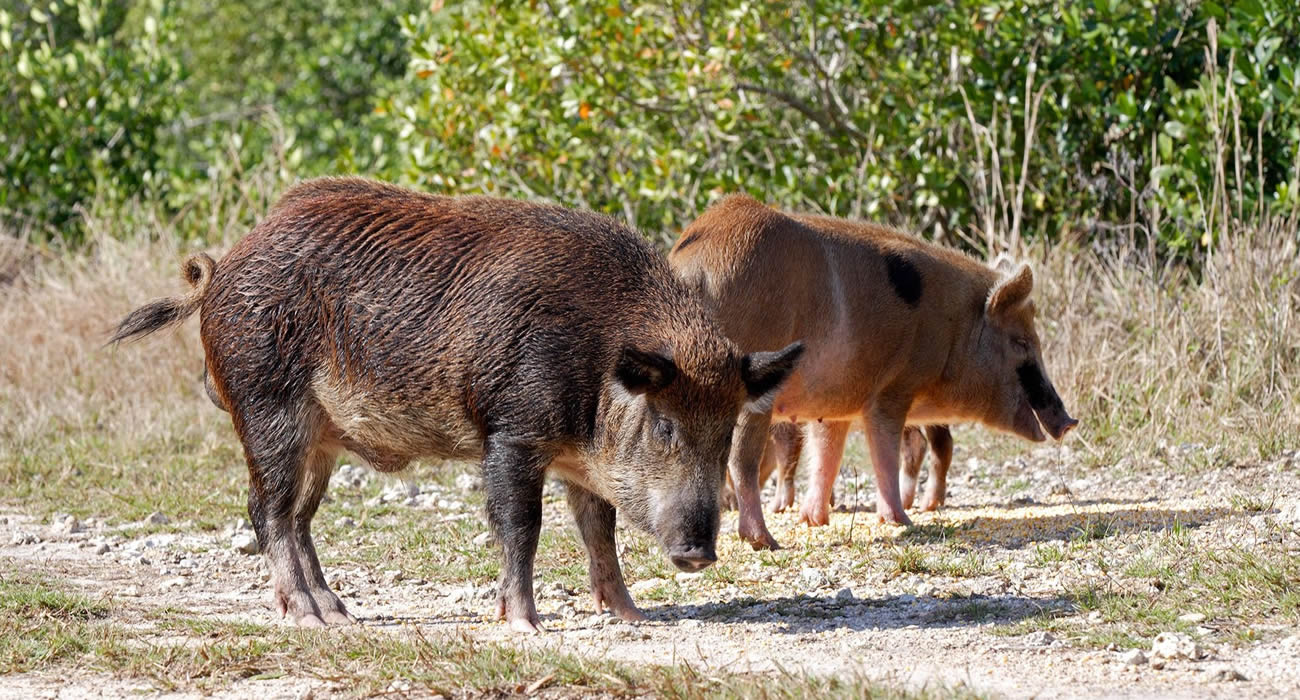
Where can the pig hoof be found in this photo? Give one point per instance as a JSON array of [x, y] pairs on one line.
[[309, 622], [815, 517], [931, 506], [339, 617], [631, 614], [760, 540], [897, 519], [523, 625]]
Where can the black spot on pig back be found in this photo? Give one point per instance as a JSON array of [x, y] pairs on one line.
[[1040, 393], [904, 277]]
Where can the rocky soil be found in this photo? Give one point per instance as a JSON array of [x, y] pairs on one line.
[[924, 628]]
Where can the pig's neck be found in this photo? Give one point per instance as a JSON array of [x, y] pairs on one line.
[[959, 394]]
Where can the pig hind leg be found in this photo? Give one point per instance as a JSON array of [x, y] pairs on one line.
[[884, 437], [289, 469], [595, 519], [512, 478], [787, 443], [941, 447], [827, 440], [913, 455]]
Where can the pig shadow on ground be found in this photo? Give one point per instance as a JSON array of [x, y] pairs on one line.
[[803, 613], [1022, 527]]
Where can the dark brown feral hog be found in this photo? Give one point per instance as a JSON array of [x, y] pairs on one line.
[[364, 317], [898, 332]]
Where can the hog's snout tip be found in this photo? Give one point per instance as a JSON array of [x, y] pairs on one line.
[[692, 559], [1066, 426]]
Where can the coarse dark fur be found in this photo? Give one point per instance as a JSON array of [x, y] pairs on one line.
[[397, 325]]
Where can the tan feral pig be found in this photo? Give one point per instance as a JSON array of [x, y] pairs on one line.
[[396, 325], [898, 331]]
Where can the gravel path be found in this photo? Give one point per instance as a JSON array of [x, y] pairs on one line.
[[917, 629]]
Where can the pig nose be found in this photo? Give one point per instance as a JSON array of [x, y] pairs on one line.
[[1070, 423], [690, 559]]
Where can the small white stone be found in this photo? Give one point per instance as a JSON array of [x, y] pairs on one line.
[[1193, 618], [345, 523], [468, 482], [1170, 645], [67, 524], [482, 539], [157, 518], [646, 585], [245, 543], [102, 548], [392, 576], [1224, 674], [1042, 638], [812, 579], [20, 538], [1133, 657]]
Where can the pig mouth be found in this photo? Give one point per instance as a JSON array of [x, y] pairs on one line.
[[1027, 422], [1033, 425]]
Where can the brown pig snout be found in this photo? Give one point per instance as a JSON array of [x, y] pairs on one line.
[[692, 558]]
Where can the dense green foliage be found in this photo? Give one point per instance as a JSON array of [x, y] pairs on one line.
[[987, 119]]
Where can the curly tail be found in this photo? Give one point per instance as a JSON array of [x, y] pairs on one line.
[[156, 315]]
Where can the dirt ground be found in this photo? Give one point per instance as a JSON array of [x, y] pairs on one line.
[[914, 626]]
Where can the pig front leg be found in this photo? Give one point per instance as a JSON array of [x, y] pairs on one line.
[[595, 519], [884, 434], [941, 448], [827, 440], [747, 444], [512, 478]]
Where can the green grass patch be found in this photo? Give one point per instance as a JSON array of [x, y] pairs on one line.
[[45, 629]]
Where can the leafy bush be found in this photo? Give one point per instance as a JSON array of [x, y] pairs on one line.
[[982, 120], [83, 105], [313, 66], [999, 116]]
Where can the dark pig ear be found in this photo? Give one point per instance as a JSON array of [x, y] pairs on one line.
[[643, 372], [764, 372]]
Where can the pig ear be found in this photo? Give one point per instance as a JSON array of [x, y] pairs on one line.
[[643, 372], [764, 372], [1011, 292]]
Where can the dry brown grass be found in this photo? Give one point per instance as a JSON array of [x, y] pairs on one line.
[[1144, 353], [1148, 353]]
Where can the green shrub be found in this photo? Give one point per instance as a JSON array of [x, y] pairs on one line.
[[917, 113], [84, 104]]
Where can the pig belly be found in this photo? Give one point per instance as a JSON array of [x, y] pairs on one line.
[[803, 406], [388, 432], [812, 395]]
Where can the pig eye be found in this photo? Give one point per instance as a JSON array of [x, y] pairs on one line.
[[664, 431], [1021, 344]]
